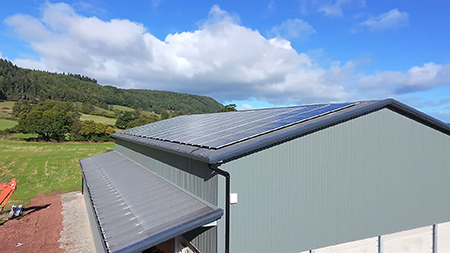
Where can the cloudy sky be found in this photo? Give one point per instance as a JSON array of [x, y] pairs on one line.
[[253, 53]]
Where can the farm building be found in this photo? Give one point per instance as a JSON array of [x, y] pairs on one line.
[[281, 180]]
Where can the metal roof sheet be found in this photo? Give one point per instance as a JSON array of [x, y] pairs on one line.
[[136, 209], [267, 139]]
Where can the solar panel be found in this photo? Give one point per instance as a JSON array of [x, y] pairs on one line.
[[217, 130]]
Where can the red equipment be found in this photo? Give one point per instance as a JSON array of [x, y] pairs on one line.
[[7, 188]]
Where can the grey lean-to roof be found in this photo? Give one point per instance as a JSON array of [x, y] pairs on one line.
[[168, 135], [135, 209]]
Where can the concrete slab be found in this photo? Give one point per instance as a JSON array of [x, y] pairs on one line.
[[411, 241]]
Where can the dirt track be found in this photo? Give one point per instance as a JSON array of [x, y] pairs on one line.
[[39, 229]]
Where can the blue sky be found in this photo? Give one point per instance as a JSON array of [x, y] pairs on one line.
[[252, 53]]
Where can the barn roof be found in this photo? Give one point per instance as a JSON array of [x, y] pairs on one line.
[[221, 137], [138, 209]]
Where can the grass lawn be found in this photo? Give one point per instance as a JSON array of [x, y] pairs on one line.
[[98, 119], [7, 124], [6, 109], [42, 168]]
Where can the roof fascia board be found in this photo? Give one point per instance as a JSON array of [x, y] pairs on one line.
[[166, 148], [171, 233], [419, 116], [94, 209]]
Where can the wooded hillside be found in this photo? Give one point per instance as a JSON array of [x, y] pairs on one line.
[[36, 86]]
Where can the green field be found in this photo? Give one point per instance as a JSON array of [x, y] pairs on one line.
[[7, 124], [6, 109], [21, 136], [43, 168], [122, 108], [98, 119]]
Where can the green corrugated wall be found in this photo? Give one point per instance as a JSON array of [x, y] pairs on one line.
[[376, 174]]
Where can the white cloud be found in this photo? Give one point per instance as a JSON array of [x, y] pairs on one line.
[[34, 30], [391, 83], [246, 107], [333, 9], [1, 56], [293, 28], [394, 19], [221, 58], [89, 8]]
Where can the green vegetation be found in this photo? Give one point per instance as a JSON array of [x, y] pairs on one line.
[[51, 120], [43, 168], [54, 120], [4, 124], [229, 108], [90, 131], [57, 121], [36, 86], [21, 136], [98, 119], [121, 108], [6, 108], [129, 119]]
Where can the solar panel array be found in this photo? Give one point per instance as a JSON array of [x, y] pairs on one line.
[[217, 130]]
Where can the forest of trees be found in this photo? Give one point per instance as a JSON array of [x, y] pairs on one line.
[[54, 120], [36, 86], [50, 105]]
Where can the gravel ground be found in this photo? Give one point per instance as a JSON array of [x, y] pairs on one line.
[[76, 235]]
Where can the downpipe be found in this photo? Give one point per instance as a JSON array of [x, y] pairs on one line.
[[227, 204]]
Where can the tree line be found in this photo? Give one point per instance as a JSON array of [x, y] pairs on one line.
[[37, 86], [54, 120]]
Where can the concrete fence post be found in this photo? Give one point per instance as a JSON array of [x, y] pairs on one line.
[[435, 239], [380, 244]]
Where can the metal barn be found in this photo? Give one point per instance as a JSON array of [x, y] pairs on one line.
[[274, 180]]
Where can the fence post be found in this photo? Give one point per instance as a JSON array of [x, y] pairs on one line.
[[435, 239], [380, 244]]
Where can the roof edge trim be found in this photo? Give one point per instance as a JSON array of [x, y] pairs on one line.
[[94, 209], [419, 116], [173, 232], [137, 140], [389, 103]]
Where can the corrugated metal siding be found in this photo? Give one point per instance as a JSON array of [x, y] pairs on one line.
[[191, 175], [377, 174]]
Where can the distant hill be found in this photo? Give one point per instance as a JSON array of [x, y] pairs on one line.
[[32, 85]]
